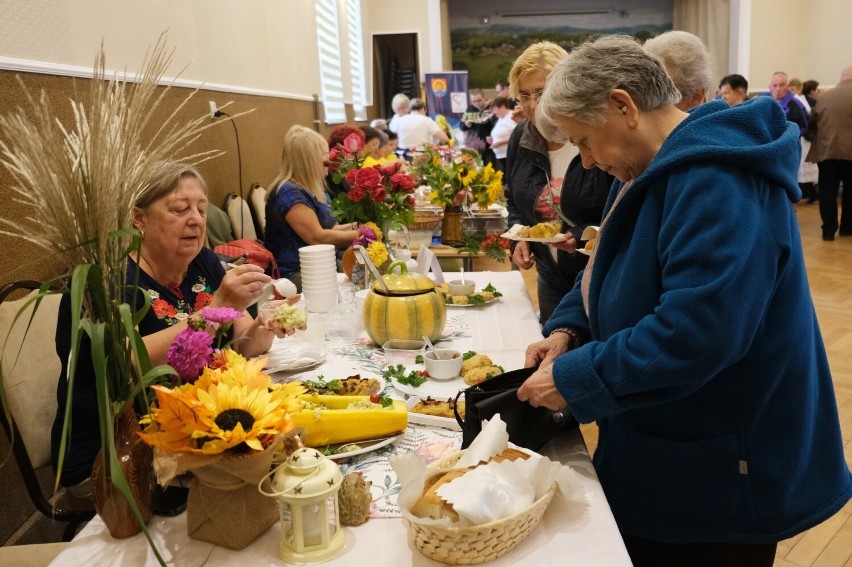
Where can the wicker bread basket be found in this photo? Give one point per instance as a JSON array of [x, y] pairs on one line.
[[426, 220], [472, 545]]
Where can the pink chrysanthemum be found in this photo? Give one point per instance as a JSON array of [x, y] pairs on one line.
[[189, 353]]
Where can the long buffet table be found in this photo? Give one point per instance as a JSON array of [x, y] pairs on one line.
[[570, 534]]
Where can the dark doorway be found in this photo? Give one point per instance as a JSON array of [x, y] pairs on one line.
[[396, 69]]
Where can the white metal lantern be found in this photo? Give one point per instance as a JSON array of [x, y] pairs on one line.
[[306, 486]]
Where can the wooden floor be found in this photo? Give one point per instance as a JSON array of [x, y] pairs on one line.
[[829, 267]]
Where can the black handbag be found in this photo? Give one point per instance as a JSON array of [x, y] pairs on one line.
[[528, 426]]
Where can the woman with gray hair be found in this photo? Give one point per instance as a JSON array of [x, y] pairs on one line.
[[401, 106], [687, 62], [717, 439]]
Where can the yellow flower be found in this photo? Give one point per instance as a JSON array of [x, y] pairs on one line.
[[487, 172], [233, 407], [466, 174], [495, 191], [378, 252]]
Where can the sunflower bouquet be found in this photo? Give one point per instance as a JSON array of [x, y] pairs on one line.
[[457, 178], [377, 193], [223, 424]]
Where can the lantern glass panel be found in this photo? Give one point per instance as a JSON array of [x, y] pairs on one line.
[[312, 523]]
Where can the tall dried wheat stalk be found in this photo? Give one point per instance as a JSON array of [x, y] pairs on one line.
[[78, 185]]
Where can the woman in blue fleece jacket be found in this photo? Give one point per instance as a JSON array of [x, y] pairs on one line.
[[691, 336]]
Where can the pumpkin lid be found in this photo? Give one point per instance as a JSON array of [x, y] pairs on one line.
[[404, 283]]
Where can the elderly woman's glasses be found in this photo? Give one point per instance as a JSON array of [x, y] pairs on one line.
[[525, 98]]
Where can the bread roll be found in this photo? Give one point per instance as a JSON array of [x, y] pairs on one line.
[[430, 505]]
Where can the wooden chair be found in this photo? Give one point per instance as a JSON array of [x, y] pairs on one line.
[[30, 369], [240, 215], [257, 205]]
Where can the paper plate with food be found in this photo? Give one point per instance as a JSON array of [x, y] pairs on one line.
[[542, 232], [415, 380], [484, 296], [590, 235]]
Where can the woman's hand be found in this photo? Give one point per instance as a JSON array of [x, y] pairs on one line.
[[568, 245], [241, 286], [545, 352], [522, 256], [540, 390], [282, 332]]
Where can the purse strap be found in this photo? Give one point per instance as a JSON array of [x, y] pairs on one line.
[[459, 418]]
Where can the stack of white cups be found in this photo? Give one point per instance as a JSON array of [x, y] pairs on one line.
[[319, 277]]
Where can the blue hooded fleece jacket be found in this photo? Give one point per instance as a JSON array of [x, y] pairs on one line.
[[706, 370]]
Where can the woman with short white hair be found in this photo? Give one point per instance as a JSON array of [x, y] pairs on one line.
[[400, 105], [717, 439]]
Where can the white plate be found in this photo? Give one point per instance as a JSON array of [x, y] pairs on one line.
[[362, 450], [435, 388], [471, 304], [289, 358], [433, 420], [511, 235]]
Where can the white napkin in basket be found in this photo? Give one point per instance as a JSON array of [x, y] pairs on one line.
[[491, 491]]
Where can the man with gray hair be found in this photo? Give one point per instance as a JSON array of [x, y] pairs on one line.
[[831, 129], [687, 62]]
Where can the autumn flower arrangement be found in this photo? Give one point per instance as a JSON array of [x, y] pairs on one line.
[[370, 237], [379, 193], [223, 423], [458, 178]]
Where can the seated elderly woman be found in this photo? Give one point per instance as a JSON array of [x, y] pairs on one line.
[[296, 210], [182, 277], [717, 437]]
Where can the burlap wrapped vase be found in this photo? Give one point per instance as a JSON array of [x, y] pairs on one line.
[[224, 505]]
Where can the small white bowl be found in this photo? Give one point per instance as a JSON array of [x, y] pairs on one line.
[[445, 369], [457, 287]]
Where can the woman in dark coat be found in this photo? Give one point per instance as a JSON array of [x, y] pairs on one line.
[[531, 163]]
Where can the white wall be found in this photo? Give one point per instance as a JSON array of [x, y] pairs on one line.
[[806, 39]]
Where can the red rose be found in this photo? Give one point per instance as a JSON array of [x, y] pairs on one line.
[[333, 161], [357, 193], [402, 182], [202, 300], [410, 200], [378, 194], [350, 177], [367, 178]]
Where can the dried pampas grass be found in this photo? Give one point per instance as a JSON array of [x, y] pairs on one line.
[[78, 185]]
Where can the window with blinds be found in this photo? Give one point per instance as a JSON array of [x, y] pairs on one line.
[[355, 38], [338, 79], [331, 74]]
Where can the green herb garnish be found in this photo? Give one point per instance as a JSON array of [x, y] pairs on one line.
[[418, 359], [469, 354], [492, 289], [321, 384], [476, 299], [398, 371]]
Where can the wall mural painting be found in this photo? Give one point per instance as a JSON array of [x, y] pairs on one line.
[[487, 35]]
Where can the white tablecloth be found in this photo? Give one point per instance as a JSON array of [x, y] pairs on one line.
[[568, 535]]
